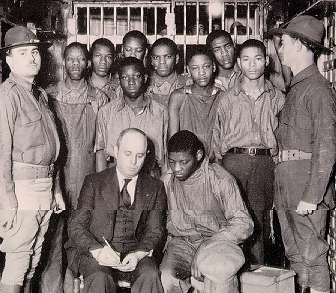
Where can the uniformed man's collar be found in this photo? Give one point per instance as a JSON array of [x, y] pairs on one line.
[[305, 73], [21, 81], [147, 103]]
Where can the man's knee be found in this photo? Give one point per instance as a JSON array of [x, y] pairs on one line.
[[98, 282], [168, 280]]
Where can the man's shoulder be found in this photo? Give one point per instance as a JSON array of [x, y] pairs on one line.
[[7, 86], [158, 107], [219, 173], [98, 177]]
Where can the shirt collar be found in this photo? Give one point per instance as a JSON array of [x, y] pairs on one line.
[[21, 81], [239, 88], [121, 179], [305, 73], [121, 104], [157, 80], [65, 90]]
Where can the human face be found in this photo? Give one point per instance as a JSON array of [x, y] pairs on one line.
[[287, 50], [224, 52], [132, 81], [252, 62], [102, 59], [182, 164], [201, 69], [75, 63], [134, 48], [25, 61], [163, 60], [131, 154]]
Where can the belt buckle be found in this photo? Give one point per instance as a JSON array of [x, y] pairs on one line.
[[50, 170], [280, 157], [252, 151]]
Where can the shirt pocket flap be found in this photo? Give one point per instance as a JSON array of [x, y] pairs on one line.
[[31, 117]]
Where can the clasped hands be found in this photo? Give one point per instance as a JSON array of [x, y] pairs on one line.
[[106, 256]]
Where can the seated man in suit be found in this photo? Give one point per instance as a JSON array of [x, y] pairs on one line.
[[119, 223], [207, 220]]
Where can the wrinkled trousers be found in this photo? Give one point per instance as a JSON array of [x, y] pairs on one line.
[[306, 248], [23, 242], [218, 263]]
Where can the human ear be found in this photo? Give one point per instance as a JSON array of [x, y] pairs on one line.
[[177, 59], [199, 155]]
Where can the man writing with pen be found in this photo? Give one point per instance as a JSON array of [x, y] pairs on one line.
[[119, 223]]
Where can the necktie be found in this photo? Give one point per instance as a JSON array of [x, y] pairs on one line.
[[125, 195], [36, 92]]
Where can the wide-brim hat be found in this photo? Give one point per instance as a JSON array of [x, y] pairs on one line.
[[306, 28], [21, 36]]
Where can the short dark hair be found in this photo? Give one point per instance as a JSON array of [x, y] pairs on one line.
[[185, 141], [199, 51], [102, 42], [136, 35], [165, 42], [253, 43], [215, 35], [131, 61], [76, 45]]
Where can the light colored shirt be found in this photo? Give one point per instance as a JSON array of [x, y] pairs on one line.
[[242, 121], [207, 204], [116, 116], [27, 133], [130, 186]]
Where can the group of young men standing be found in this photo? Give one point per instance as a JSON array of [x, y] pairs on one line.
[[220, 140]]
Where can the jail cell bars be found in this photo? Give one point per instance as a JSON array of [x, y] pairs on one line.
[[186, 22]]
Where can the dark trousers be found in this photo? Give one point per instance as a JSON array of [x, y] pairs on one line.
[[102, 279], [255, 177], [306, 248]]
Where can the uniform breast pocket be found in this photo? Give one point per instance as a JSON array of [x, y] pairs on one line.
[[29, 131]]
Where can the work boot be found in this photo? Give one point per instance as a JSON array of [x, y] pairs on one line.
[[27, 286], [9, 288]]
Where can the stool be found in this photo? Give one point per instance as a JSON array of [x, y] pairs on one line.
[[197, 285], [267, 280]]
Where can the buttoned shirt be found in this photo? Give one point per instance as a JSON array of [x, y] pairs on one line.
[[116, 116], [308, 123], [109, 88], [161, 88], [242, 121], [233, 79], [207, 204], [27, 133], [130, 186]]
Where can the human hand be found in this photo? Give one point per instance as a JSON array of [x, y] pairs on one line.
[[305, 208], [129, 262], [7, 219], [108, 257], [59, 203]]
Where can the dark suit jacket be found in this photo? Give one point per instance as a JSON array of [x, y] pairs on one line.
[[96, 212]]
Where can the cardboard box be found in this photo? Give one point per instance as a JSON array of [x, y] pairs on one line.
[[267, 280]]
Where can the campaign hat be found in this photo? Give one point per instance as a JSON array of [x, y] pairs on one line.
[[21, 36], [306, 28]]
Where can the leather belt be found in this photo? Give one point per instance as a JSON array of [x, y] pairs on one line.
[[29, 171], [250, 151], [293, 155]]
